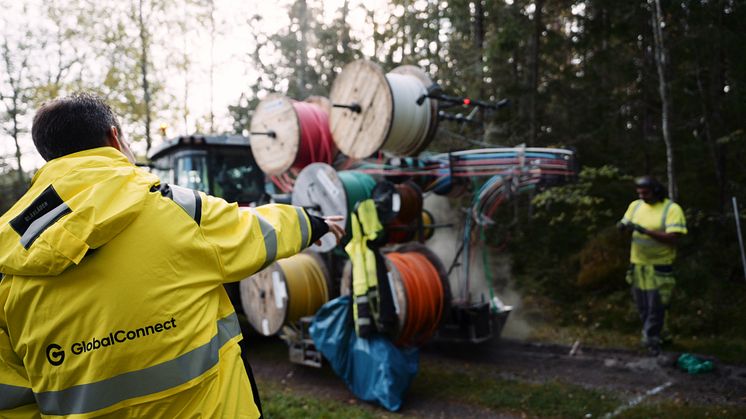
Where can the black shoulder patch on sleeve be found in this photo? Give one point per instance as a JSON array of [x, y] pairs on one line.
[[44, 211], [164, 189]]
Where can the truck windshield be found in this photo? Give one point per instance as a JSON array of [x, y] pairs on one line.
[[235, 176], [190, 171]]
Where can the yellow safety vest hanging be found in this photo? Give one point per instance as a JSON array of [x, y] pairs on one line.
[[365, 228]]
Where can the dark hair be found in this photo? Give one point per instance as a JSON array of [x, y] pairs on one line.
[[649, 182], [71, 124]]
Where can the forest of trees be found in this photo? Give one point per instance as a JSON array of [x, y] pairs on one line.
[[635, 87]]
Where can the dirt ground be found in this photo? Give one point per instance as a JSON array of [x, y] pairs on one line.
[[631, 376]]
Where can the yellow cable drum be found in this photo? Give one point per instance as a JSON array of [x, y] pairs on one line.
[[284, 292]]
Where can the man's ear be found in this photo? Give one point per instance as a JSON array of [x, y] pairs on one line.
[[113, 138]]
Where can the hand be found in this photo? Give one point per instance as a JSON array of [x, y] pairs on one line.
[[334, 228], [624, 226], [640, 229]]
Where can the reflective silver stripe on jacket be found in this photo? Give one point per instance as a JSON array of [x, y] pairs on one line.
[[665, 214], [304, 237], [41, 224], [90, 397], [270, 238], [12, 397], [189, 200]]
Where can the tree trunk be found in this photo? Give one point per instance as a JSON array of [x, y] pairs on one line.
[[660, 63], [534, 75], [302, 59], [144, 71], [478, 25], [479, 45], [15, 133], [185, 61], [212, 66], [15, 100], [715, 150]]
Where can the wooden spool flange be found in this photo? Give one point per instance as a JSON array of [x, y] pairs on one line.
[[264, 298], [362, 83], [319, 190], [275, 114]]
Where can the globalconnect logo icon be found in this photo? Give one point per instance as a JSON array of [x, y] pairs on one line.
[[55, 354]]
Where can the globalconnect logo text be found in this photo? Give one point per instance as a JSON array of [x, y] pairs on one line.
[[56, 354]]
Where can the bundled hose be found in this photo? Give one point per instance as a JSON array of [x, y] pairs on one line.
[[409, 126], [306, 284], [287, 134], [425, 297], [316, 143], [440, 173]]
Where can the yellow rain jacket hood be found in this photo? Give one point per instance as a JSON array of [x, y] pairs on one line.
[[107, 193], [111, 302]]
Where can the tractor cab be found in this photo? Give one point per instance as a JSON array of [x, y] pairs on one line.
[[219, 165]]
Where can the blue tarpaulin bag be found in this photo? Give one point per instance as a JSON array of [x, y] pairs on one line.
[[373, 369]]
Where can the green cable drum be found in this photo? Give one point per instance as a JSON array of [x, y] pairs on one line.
[[358, 187]]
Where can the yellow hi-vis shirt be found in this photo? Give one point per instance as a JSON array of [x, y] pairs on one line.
[[112, 301], [665, 216]]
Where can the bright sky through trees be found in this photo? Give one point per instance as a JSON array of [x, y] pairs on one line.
[[89, 38]]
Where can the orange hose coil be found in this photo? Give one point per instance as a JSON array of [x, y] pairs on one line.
[[425, 297]]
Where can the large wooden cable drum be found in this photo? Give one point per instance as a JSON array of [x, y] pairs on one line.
[[323, 192], [389, 117], [288, 133], [284, 292]]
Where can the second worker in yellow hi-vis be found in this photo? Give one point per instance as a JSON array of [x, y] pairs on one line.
[[111, 301], [657, 224]]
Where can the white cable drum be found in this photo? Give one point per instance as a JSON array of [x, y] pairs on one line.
[[410, 124]]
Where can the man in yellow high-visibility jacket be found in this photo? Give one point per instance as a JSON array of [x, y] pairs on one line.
[[656, 224], [111, 301]]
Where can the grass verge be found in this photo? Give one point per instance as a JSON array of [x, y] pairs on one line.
[[501, 395]]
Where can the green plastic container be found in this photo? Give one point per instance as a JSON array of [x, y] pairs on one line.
[[693, 365]]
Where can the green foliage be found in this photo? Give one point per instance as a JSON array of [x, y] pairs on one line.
[[588, 204], [11, 188], [548, 246], [604, 259], [241, 113]]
